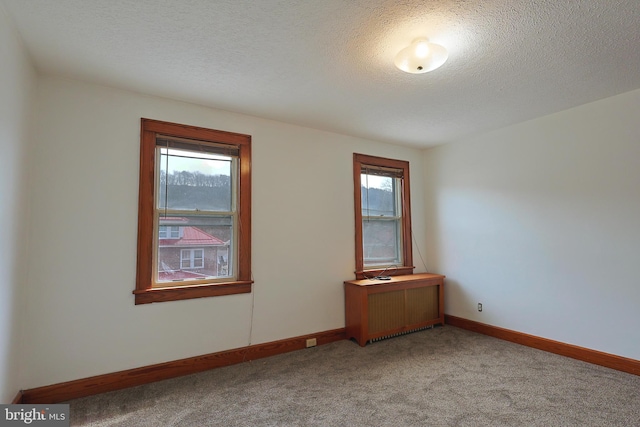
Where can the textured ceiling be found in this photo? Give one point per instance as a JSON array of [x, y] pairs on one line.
[[328, 64]]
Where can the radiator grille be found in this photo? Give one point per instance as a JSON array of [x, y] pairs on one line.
[[404, 310], [386, 311], [384, 337], [422, 304]]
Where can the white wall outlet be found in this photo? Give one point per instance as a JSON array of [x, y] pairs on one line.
[[479, 306], [311, 342]]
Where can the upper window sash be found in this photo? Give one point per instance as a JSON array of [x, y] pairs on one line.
[[222, 167]]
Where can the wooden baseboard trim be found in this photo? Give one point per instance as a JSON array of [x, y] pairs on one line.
[[18, 399], [133, 377], [612, 361]]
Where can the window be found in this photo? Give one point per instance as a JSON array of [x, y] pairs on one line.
[[194, 215], [191, 258], [166, 232], [382, 216]]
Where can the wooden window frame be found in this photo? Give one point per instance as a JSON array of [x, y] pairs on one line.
[[360, 162], [144, 292]]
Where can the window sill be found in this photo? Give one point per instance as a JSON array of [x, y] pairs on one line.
[[396, 271], [147, 296]]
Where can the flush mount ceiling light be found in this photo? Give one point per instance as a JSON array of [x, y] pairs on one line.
[[420, 57]]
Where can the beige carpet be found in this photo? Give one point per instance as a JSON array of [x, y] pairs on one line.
[[440, 377]]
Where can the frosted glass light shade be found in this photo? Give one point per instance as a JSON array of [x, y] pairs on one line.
[[420, 57]]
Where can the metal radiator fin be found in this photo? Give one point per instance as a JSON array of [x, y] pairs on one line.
[[396, 309], [401, 333]]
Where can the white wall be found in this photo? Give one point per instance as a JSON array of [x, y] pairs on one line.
[[541, 223], [81, 318], [17, 84]]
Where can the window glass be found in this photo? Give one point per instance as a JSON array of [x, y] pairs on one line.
[[195, 206], [215, 233], [194, 181], [378, 195], [381, 242], [174, 232], [381, 220]]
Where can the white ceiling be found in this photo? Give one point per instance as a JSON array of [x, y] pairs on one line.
[[328, 64]]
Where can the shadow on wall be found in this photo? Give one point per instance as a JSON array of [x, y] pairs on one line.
[[454, 290]]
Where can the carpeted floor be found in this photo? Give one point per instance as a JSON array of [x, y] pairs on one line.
[[439, 377]]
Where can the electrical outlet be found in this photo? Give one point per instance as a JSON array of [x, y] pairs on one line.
[[311, 342], [479, 306]]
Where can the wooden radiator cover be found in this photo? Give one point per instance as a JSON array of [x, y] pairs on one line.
[[376, 309]]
